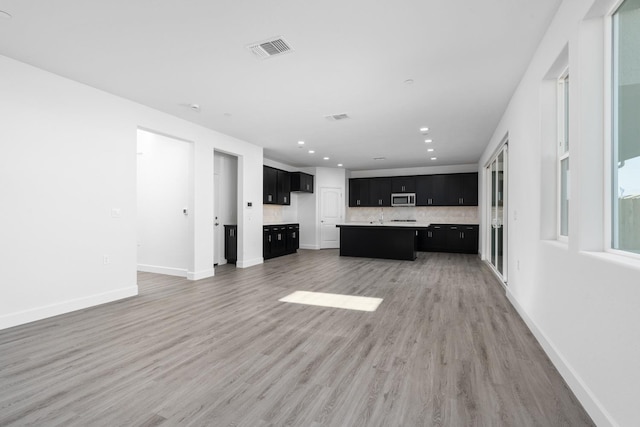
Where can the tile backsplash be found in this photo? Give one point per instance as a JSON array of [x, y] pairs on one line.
[[271, 214], [431, 214]]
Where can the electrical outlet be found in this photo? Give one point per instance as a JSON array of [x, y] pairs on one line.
[[106, 260]]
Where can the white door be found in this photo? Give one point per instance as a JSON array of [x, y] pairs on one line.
[[331, 207]]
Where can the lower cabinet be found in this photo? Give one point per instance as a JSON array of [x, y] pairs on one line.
[[278, 240], [231, 243], [449, 238]]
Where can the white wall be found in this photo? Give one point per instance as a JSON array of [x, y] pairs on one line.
[[68, 158], [425, 170], [580, 301]]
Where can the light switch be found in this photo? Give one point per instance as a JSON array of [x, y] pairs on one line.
[[116, 212]]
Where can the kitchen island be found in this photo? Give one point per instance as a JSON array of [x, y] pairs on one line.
[[388, 240]]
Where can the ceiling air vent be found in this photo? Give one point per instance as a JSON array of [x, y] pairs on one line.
[[336, 117], [268, 48]]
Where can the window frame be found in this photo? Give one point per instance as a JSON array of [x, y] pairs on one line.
[[562, 149], [610, 127]]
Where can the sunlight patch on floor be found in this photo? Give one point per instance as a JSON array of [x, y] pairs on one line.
[[321, 299]]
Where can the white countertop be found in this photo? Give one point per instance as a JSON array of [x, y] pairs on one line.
[[386, 224], [279, 223]]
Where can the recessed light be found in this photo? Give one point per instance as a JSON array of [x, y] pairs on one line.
[[227, 114], [424, 129], [194, 107], [339, 165], [311, 151], [325, 158], [300, 142], [428, 141], [5, 15], [429, 149], [434, 158], [408, 82], [379, 158]]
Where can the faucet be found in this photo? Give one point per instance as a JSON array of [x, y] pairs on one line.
[[381, 215]]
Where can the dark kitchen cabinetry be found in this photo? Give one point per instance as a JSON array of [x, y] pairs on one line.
[[276, 185], [301, 181], [359, 192], [278, 240], [460, 189], [284, 188], [403, 184], [269, 185], [380, 192], [434, 239], [449, 238], [292, 238], [231, 243]]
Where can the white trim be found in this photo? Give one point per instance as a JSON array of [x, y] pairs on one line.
[[585, 396], [39, 313], [170, 271], [562, 125], [249, 263], [199, 275], [312, 247], [607, 127]]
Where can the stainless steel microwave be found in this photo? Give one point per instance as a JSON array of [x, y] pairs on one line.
[[403, 199]]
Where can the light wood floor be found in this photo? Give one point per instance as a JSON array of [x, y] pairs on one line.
[[445, 347]]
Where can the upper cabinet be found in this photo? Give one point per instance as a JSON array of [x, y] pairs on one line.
[[380, 192], [269, 185], [276, 185], [301, 181], [431, 190], [359, 192], [403, 184]]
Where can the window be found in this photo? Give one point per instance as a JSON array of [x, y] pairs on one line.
[[625, 168], [563, 156]]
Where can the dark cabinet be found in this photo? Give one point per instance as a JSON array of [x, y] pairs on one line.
[[276, 186], [449, 238], [459, 189], [301, 181], [462, 189], [434, 239], [293, 238], [278, 240], [403, 184], [284, 188], [269, 185], [359, 192], [231, 243], [266, 243], [380, 192]]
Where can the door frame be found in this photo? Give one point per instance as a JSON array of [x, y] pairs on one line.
[[503, 147]]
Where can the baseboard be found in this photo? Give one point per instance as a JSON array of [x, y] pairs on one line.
[[249, 263], [180, 272], [39, 313], [312, 247], [203, 274], [591, 404]]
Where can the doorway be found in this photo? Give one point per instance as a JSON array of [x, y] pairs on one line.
[[331, 205], [163, 202], [496, 202], [225, 200]]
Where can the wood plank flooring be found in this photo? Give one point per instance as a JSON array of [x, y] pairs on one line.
[[445, 348]]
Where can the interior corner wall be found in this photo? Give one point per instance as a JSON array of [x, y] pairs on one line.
[[69, 159], [580, 302]]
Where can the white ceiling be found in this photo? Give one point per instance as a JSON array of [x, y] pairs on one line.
[[350, 56]]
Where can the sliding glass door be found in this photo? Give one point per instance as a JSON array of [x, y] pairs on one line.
[[496, 236]]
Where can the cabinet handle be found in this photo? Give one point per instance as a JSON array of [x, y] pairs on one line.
[[269, 197], [294, 234], [285, 199], [462, 233], [269, 239], [279, 236]]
